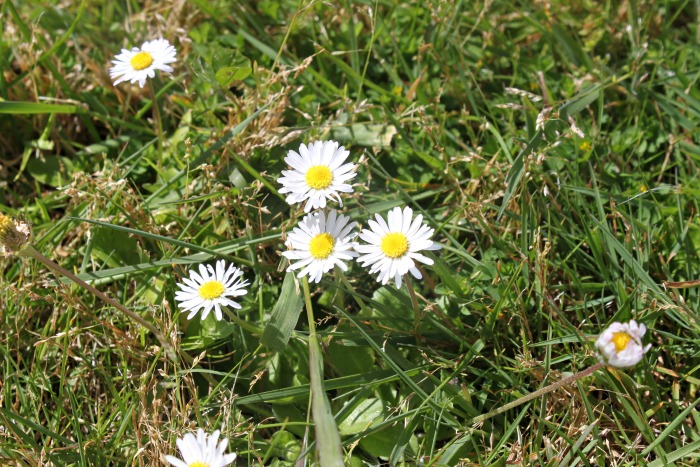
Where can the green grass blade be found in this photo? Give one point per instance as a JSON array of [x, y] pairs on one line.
[[26, 108], [163, 239], [671, 428], [330, 450], [681, 453], [285, 395]]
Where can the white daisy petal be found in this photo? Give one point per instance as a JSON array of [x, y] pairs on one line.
[[206, 290], [393, 244], [138, 64], [317, 175], [620, 345], [172, 460], [202, 449], [320, 243]]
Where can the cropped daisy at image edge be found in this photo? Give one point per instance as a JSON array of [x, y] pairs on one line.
[[138, 64], [211, 288], [202, 451]]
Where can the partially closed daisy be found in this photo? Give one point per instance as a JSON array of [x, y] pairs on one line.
[[138, 64], [202, 451], [318, 174], [392, 247], [620, 345], [210, 288], [319, 243], [15, 235]]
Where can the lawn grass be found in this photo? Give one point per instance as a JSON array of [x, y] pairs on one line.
[[553, 147]]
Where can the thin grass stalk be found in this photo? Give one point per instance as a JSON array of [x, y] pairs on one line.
[[159, 123], [540, 392], [31, 252]]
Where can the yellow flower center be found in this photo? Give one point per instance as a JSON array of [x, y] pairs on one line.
[[394, 245], [6, 225], [321, 246], [198, 464], [319, 177], [211, 289], [621, 339], [141, 61]]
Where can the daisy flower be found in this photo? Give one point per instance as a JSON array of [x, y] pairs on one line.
[[138, 64], [202, 451], [620, 345], [210, 288], [318, 174], [393, 246], [319, 243]]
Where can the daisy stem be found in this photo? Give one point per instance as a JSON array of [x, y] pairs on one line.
[[33, 253], [414, 302], [349, 287], [242, 323], [159, 122], [309, 308], [339, 299], [540, 392]]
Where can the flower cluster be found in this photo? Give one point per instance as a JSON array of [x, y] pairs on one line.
[[393, 245], [323, 240]]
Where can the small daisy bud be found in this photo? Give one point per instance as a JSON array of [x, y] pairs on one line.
[[14, 235], [620, 345]]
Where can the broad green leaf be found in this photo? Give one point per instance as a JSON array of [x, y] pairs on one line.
[[349, 360], [381, 443], [229, 75], [285, 445], [54, 171], [284, 316], [579, 102], [115, 247], [362, 416], [203, 333], [365, 134]]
